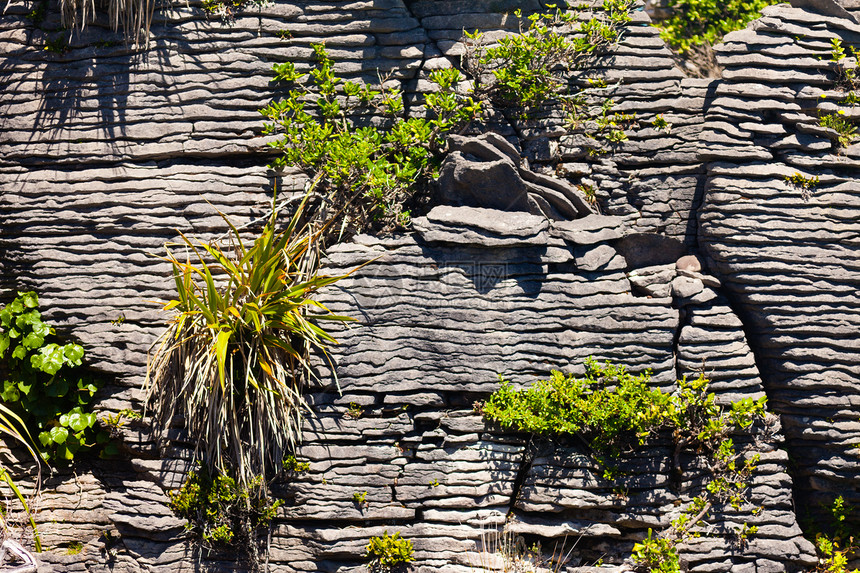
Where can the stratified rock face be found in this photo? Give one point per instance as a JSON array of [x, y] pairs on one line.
[[472, 295], [105, 155], [788, 255]]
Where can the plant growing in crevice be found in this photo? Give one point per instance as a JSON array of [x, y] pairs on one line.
[[221, 511], [660, 123], [693, 27], [846, 72], [388, 551], [226, 10], [806, 184], [846, 131], [614, 411], [235, 357], [696, 22], [46, 385], [366, 174], [291, 464], [838, 547], [371, 176], [540, 68], [528, 69], [234, 360]]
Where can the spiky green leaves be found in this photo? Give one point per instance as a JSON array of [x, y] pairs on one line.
[[235, 356]]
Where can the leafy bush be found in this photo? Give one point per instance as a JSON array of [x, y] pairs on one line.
[[696, 22], [369, 175], [610, 409], [218, 509], [608, 405], [371, 169], [233, 360], [657, 555], [531, 67], [46, 385], [388, 551]]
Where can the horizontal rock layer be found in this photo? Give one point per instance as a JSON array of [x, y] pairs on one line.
[[787, 252]]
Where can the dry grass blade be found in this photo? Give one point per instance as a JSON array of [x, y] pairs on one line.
[[233, 361], [133, 16]]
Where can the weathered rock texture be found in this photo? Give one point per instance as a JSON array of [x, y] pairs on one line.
[[105, 154], [790, 261]]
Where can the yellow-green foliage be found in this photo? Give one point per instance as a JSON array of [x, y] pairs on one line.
[[846, 131], [216, 509], [388, 551], [610, 407], [835, 550], [657, 555], [694, 22], [233, 359], [370, 173]]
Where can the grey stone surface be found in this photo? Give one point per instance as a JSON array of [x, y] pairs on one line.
[[106, 153], [782, 252]]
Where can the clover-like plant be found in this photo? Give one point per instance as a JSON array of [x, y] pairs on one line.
[[234, 358], [46, 385]]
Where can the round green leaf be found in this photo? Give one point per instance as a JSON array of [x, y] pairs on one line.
[[73, 353], [77, 422], [59, 435], [29, 299]]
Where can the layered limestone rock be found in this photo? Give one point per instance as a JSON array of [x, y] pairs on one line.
[[788, 254], [106, 153]]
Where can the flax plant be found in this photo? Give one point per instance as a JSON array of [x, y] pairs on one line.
[[13, 427], [233, 360]]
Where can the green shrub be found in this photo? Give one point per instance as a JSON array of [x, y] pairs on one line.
[[696, 22], [612, 409], [608, 405], [657, 555], [389, 550], [233, 360], [369, 175], [531, 67], [372, 170], [219, 509], [46, 384]]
